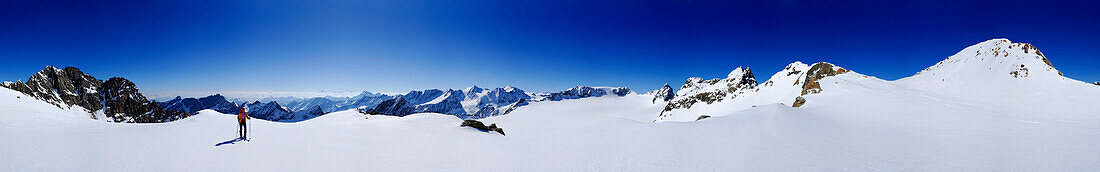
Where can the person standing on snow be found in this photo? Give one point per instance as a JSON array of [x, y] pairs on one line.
[[242, 130]]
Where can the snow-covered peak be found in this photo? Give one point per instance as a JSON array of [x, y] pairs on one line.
[[663, 94], [993, 59], [796, 63], [366, 94], [737, 73], [473, 89], [739, 78], [509, 88]]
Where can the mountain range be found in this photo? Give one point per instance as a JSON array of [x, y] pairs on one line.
[[992, 62]]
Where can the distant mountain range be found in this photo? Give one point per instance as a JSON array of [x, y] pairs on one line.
[[470, 103]]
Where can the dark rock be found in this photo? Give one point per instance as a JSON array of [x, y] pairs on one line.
[[118, 97], [701, 117], [799, 101], [124, 103], [481, 126]]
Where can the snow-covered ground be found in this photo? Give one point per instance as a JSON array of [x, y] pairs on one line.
[[884, 129]]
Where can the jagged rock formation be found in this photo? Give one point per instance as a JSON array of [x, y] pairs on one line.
[[696, 90], [664, 94], [62, 88], [123, 103], [118, 98], [1096, 83]]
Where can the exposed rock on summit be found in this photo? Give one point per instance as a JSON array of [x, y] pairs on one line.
[[118, 98]]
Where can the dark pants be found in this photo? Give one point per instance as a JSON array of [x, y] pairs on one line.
[[242, 130]]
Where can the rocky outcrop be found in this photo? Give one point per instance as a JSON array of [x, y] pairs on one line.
[[481, 126], [1096, 83], [664, 94], [696, 90], [118, 98], [701, 117], [816, 72], [799, 101]]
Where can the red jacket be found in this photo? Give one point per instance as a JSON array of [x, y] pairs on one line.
[[241, 117]]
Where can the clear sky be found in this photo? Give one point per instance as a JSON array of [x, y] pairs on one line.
[[396, 46]]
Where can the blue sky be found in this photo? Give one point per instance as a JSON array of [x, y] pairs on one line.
[[396, 46]]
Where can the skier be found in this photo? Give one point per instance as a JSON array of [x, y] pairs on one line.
[[241, 119]]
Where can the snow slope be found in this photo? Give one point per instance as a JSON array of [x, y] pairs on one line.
[[883, 131]]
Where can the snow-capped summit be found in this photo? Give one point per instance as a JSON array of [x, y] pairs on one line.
[[737, 79], [472, 89], [997, 58], [996, 66], [366, 94], [663, 94]]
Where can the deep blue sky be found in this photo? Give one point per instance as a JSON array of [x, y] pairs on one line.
[[396, 46]]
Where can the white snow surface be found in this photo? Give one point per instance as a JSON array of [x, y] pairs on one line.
[[885, 129]]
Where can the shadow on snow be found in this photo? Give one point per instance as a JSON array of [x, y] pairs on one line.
[[234, 141]]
